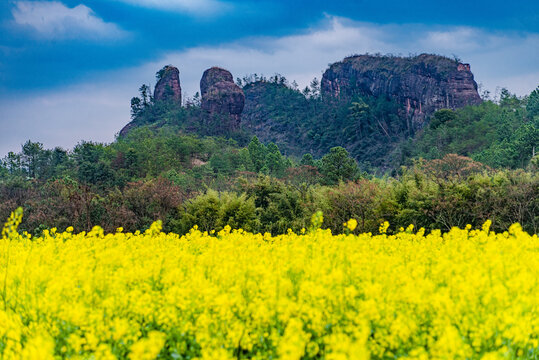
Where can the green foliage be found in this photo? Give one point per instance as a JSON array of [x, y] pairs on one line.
[[92, 168], [159, 74], [532, 107], [257, 153], [498, 135], [442, 116], [168, 157], [338, 166], [368, 127], [307, 159], [213, 211], [374, 130], [354, 200], [275, 162]]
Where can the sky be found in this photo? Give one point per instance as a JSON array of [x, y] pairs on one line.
[[68, 68]]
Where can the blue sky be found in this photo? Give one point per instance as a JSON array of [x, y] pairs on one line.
[[69, 68]]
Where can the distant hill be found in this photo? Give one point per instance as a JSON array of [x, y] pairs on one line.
[[377, 107]]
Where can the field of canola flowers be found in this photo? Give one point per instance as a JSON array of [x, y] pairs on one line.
[[233, 295]]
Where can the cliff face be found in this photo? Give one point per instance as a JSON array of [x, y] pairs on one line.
[[422, 84], [222, 98], [168, 87]]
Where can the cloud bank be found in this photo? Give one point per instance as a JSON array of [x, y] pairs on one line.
[[97, 110], [197, 7], [54, 20]]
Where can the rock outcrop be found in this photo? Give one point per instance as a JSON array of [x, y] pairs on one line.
[[213, 76], [168, 87], [422, 84], [221, 97]]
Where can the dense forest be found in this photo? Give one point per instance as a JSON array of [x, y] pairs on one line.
[[501, 132], [349, 158]]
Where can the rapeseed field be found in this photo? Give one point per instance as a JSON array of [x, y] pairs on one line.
[[465, 294]]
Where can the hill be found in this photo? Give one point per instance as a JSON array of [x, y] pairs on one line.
[[377, 107]]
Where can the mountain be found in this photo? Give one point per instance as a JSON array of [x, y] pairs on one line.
[[422, 84], [368, 104]]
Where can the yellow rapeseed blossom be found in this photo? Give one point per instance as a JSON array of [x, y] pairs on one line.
[[464, 294], [351, 224], [383, 227]]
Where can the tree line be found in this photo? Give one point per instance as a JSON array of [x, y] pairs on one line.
[[211, 182]]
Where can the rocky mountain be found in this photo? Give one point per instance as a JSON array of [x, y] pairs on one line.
[[168, 87], [222, 99], [213, 76], [422, 84], [221, 105], [368, 104]]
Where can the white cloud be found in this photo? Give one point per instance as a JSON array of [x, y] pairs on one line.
[[65, 117], [508, 59], [198, 7], [498, 60], [54, 20], [461, 38], [97, 110]]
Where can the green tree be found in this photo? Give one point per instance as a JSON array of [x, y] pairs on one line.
[[442, 116], [337, 166], [533, 103], [358, 111], [136, 107], [315, 88], [257, 152], [92, 169], [307, 159], [275, 162], [525, 143], [145, 95], [213, 211], [12, 163], [33, 158]]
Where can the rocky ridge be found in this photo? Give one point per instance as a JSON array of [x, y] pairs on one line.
[[422, 84], [408, 90]]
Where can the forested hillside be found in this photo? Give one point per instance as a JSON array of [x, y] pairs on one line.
[[384, 110], [501, 135], [292, 153]]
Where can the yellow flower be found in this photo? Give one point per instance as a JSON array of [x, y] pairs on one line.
[[459, 294], [148, 348], [383, 227], [351, 224]]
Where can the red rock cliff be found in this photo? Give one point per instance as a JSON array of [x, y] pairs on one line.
[[422, 84], [221, 97], [168, 87]]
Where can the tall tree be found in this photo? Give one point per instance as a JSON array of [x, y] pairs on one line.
[[533, 103], [337, 166], [32, 158], [257, 151], [274, 161]]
